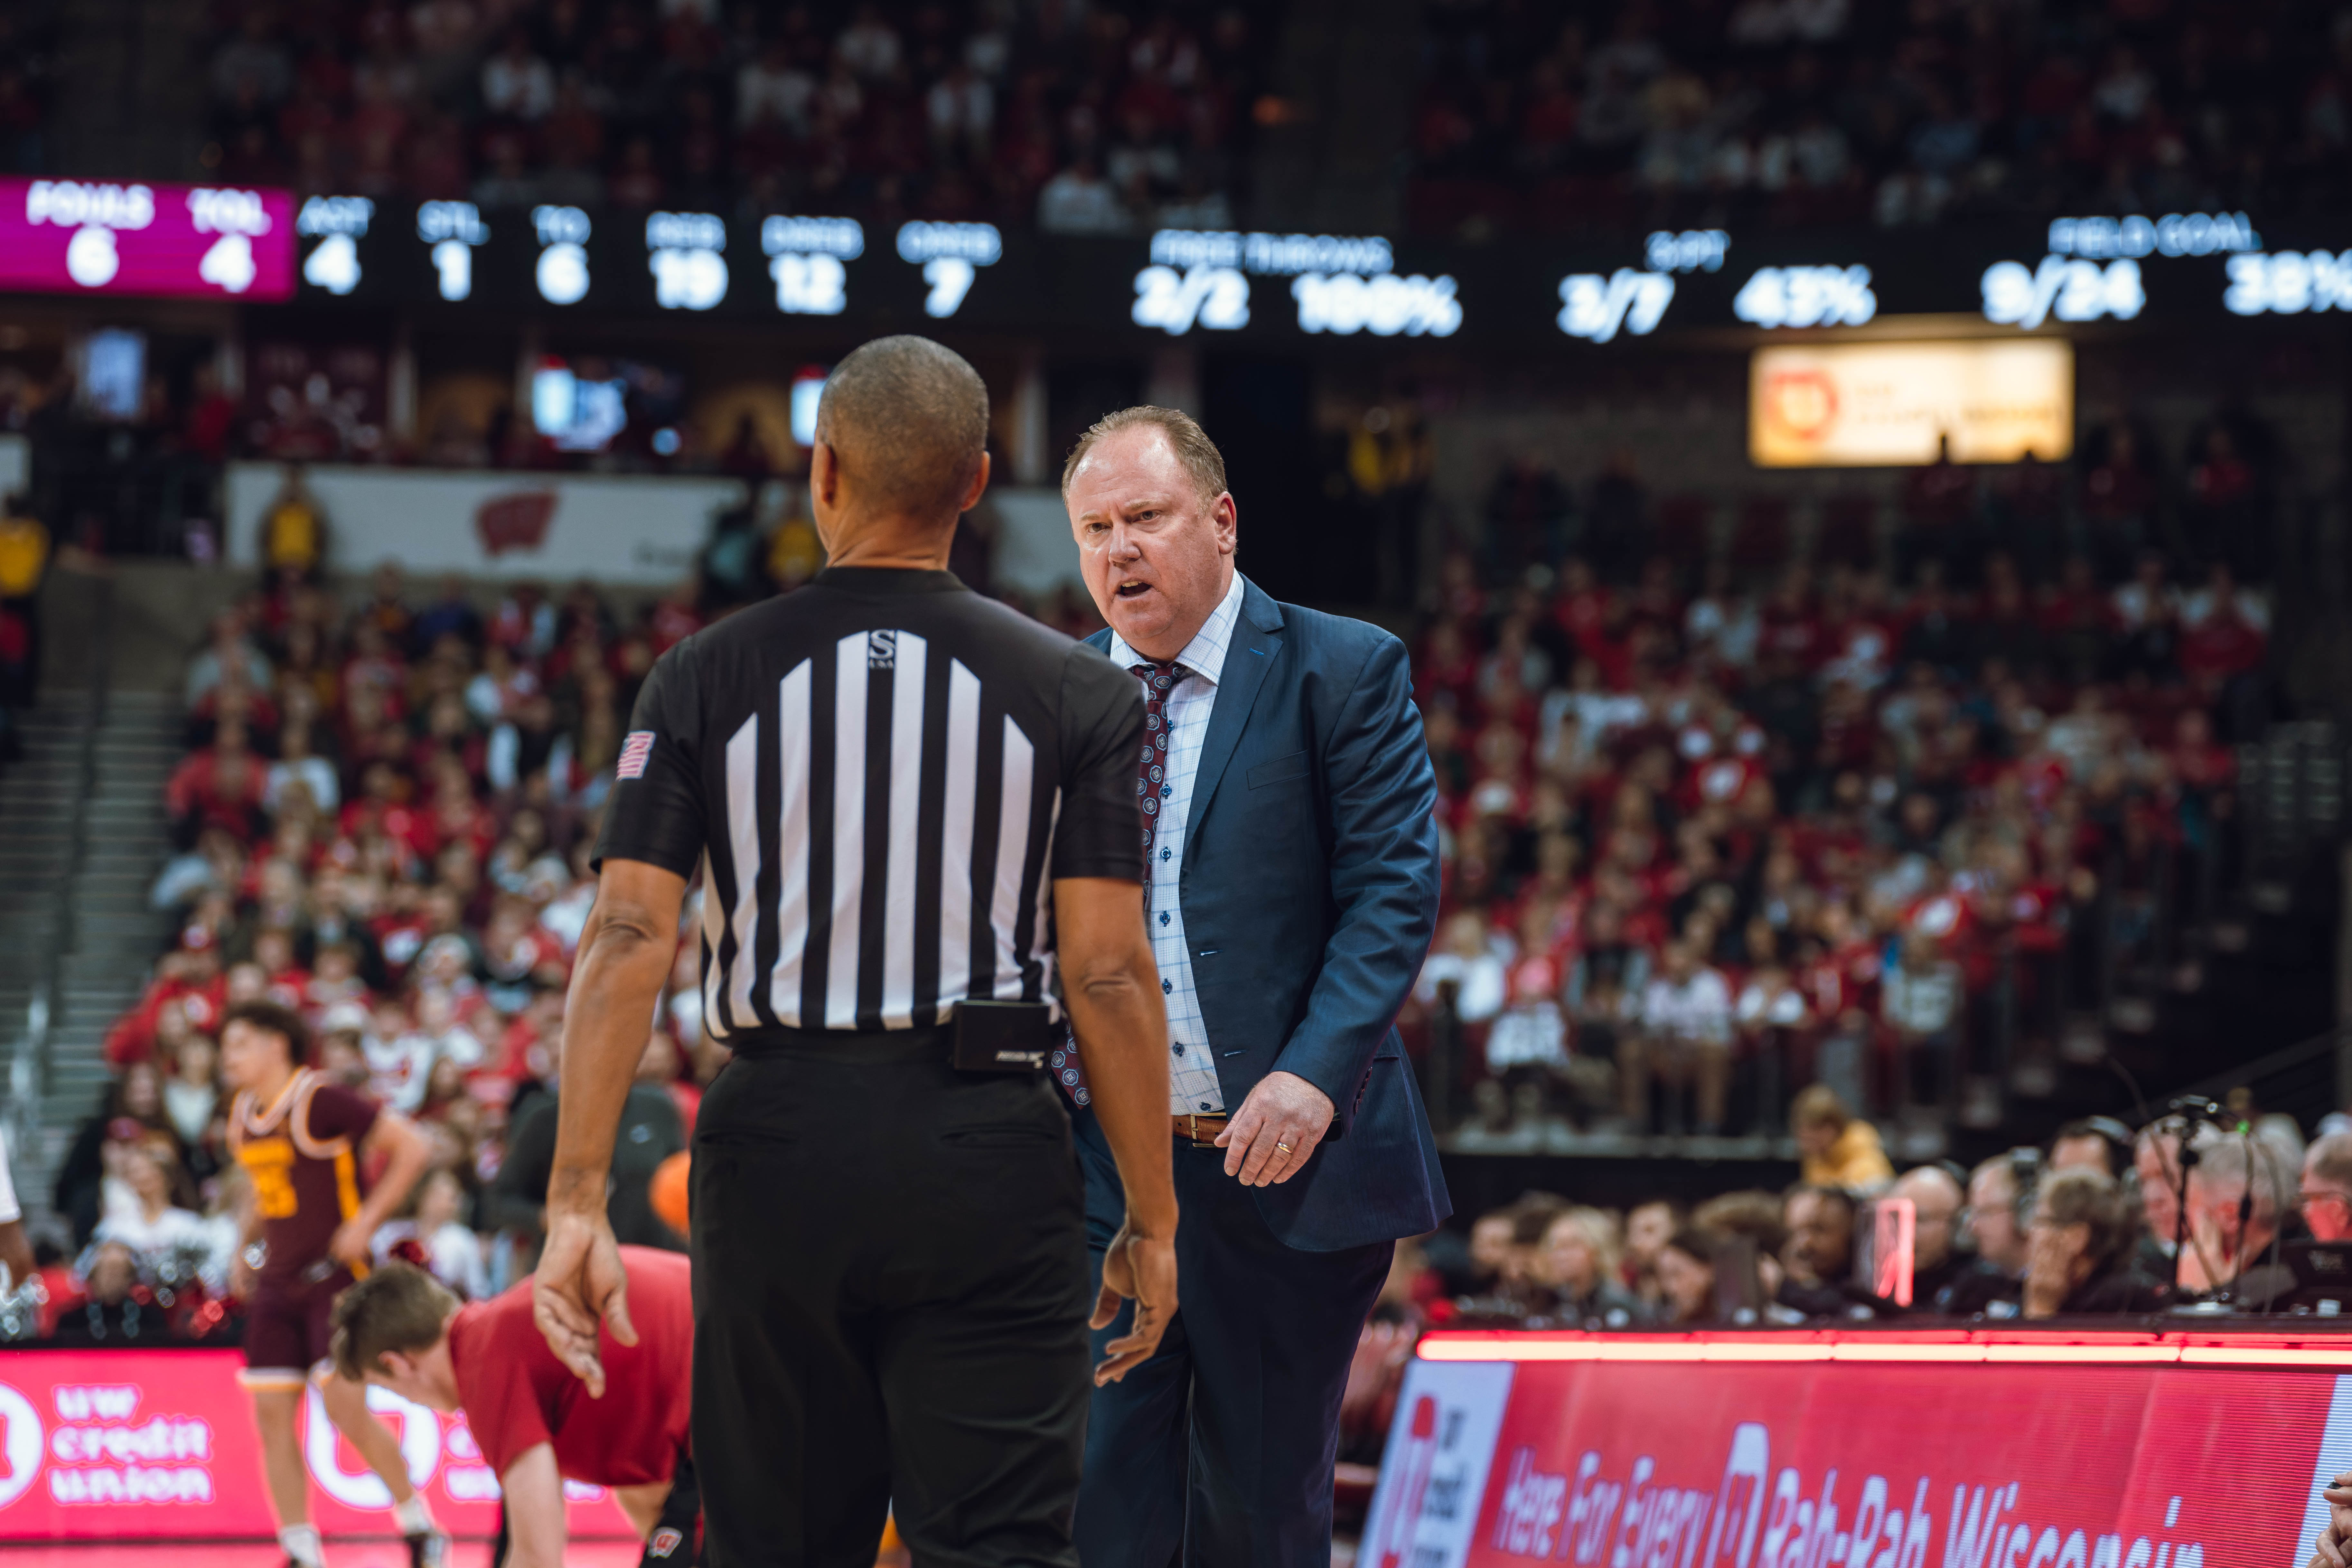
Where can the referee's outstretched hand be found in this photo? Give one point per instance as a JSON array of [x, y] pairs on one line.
[[1142, 1268], [580, 1283]]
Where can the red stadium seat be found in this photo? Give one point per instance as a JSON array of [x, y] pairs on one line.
[[1682, 526], [1849, 532], [1760, 539]]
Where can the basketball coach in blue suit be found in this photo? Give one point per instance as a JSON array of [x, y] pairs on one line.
[[1290, 893]]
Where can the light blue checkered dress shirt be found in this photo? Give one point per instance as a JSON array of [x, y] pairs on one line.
[[1192, 1072]]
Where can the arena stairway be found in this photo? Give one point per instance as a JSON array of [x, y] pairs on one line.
[[36, 838], [81, 836]]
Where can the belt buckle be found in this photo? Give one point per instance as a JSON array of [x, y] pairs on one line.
[[1192, 1132]]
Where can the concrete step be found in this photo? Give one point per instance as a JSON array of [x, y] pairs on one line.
[[98, 966], [127, 963], [80, 1044], [100, 883], [28, 812], [118, 893], [96, 924], [83, 1036], [123, 808], [101, 920], [127, 851], [116, 903]]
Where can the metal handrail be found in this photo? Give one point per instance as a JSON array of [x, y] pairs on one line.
[[2278, 1064], [29, 1073]]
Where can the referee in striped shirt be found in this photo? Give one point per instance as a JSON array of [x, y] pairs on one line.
[[914, 815]]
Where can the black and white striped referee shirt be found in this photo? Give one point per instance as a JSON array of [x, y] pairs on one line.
[[881, 774]]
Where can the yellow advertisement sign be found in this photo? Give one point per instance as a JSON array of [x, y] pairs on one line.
[[1887, 404]]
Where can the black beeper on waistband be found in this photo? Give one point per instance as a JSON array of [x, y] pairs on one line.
[[1003, 1037]]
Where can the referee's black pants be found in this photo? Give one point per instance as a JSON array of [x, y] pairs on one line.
[[890, 1296]]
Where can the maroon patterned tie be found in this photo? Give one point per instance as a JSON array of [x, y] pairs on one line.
[[1150, 789]]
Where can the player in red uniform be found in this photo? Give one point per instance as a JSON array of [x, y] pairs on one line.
[[537, 1424], [308, 1222]]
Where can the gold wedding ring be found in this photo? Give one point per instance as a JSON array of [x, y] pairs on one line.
[[1284, 1147]]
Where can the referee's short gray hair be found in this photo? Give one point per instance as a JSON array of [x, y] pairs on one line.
[[907, 421], [1198, 455]]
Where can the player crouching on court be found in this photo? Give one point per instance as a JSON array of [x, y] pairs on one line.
[[538, 1426]]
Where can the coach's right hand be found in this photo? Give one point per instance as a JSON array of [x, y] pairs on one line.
[[1142, 1268], [580, 1283]]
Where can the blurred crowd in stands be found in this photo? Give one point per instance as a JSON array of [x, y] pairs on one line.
[[1082, 118], [28, 73], [1739, 113], [383, 821], [2089, 1227], [1879, 824], [1746, 828], [2091, 1224]]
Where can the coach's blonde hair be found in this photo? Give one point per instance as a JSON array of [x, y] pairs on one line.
[[1200, 459]]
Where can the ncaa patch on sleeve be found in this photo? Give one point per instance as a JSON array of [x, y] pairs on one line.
[[635, 750]]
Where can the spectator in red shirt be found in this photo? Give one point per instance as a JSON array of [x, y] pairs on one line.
[[622, 1422], [222, 786], [2225, 629], [2118, 500], [2221, 503], [1940, 503]]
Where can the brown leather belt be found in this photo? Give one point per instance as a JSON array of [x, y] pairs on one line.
[[1201, 1130]]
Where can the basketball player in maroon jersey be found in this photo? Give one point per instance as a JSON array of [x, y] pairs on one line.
[[304, 1144]]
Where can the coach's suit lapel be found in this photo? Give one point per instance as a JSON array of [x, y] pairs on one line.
[[1256, 643]]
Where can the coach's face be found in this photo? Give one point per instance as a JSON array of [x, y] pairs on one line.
[[1158, 555]]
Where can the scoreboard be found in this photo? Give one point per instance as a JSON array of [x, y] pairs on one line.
[[2070, 272], [1566, 296], [75, 237]]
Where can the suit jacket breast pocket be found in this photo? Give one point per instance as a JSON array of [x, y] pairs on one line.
[[1281, 770]]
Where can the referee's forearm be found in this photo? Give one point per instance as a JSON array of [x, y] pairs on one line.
[[1122, 1029], [1112, 988], [624, 957]]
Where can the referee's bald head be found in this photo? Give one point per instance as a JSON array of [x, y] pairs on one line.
[[908, 421]]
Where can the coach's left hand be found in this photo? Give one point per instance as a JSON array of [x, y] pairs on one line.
[[1283, 1109]]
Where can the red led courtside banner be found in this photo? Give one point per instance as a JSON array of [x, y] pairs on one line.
[[205, 242], [159, 1446], [1858, 1451]]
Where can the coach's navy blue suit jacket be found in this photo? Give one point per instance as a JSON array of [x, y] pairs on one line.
[[1310, 892]]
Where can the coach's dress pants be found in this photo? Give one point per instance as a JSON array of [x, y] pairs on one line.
[[890, 1296], [1217, 1452]]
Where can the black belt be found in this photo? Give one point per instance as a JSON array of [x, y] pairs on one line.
[[931, 1043]]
